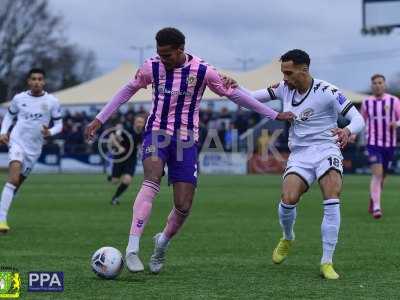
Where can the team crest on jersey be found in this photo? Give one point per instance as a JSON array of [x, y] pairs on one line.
[[191, 80], [341, 98], [306, 114], [387, 108]]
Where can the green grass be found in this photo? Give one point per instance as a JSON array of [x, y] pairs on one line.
[[223, 252]]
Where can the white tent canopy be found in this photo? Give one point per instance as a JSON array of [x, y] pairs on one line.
[[101, 89], [271, 73]]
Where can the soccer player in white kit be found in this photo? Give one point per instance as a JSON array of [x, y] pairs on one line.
[[314, 142], [34, 110]]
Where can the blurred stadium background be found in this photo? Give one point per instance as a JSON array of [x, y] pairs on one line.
[[72, 76]]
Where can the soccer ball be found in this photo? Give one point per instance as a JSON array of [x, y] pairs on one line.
[[107, 262]]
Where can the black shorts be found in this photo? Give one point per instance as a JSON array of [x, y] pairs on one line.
[[127, 167]]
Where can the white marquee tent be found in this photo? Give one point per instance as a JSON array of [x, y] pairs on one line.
[[101, 89]]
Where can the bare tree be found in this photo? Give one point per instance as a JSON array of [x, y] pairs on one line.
[[31, 36]]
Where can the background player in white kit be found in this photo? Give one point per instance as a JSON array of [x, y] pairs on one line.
[[34, 110], [314, 142]]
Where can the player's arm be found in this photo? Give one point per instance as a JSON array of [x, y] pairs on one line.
[[56, 116], [240, 97], [262, 95], [396, 107], [347, 110], [142, 80], [8, 121]]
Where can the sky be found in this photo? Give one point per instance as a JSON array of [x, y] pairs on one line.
[[226, 32]]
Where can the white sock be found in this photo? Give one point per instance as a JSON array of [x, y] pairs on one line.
[[163, 240], [287, 217], [330, 229], [6, 199], [133, 244]]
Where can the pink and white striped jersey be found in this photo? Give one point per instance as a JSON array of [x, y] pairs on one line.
[[177, 93], [378, 114]]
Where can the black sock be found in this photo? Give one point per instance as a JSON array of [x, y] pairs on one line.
[[121, 188]]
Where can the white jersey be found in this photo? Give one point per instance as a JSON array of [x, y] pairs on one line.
[[317, 111], [32, 113]]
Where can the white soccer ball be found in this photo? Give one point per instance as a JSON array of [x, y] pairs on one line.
[[107, 262]]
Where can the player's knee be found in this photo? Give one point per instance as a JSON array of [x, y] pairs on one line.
[[153, 175], [127, 180], [183, 203], [184, 207], [156, 178], [114, 180], [290, 197], [332, 186], [378, 177], [14, 180], [333, 192]]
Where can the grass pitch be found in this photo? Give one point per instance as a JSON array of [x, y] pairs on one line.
[[223, 252]]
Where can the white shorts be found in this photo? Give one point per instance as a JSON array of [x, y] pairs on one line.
[[313, 162], [17, 153]]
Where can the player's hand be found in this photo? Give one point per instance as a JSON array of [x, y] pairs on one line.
[[286, 116], [352, 138], [228, 81], [343, 136], [4, 138], [45, 131], [91, 129], [393, 125]]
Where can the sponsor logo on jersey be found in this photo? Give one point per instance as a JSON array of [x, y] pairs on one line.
[[306, 114], [316, 87], [163, 91]]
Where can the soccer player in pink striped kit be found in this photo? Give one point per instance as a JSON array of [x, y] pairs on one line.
[[381, 112], [178, 81]]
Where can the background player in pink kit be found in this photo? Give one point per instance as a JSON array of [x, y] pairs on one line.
[[178, 81], [381, 112]]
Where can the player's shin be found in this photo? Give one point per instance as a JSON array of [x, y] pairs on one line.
[[330, 229], [121, 188], [141, 212], [375, 191], [175, 221], [287, 217], [6, 198]]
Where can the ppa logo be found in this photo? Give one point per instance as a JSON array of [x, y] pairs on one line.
[[46, 282]]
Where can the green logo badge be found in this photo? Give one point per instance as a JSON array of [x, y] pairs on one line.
[[10, 283]]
